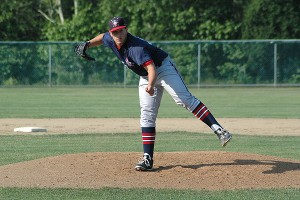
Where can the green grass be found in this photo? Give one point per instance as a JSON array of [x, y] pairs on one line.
[[131, 194], [20, 148], [120, 102]]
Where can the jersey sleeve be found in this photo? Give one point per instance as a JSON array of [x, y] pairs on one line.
[[147, 63], [141, 56]]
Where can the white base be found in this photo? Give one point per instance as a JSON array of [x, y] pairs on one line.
[[30, 129]]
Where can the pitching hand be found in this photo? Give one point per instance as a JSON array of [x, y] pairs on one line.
[[150, 90]]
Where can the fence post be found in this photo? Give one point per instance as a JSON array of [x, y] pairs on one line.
[[125, 81], [50, 67], [199, 64], [275, 64]]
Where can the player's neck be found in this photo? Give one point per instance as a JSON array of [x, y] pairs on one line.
[[118, 47]]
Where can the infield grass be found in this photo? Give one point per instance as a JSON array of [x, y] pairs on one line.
[[18, 148]]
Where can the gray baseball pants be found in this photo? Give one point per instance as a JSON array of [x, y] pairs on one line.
[[169, 79]]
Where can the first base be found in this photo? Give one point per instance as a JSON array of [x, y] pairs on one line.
[[30, 129]]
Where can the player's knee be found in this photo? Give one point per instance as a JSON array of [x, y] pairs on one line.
[[148, 119], [147, 122], [188, 102]]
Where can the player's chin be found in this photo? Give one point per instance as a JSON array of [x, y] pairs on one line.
[[119, 42]]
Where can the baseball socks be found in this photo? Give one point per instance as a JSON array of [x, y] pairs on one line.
[[148, 137], [202, 113]]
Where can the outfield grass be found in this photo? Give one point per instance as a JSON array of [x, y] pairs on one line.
[[120, 102]]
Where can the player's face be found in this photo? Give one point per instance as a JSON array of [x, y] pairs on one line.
[[119, 36]]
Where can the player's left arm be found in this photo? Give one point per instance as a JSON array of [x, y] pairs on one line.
[[81, 48], [151, 78]]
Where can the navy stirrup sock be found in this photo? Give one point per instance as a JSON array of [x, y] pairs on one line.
[[201, 112], [148, 136]]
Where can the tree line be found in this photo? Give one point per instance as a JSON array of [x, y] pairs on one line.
[[76, 20], [222, 62]]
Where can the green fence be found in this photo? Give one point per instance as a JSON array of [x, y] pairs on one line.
[[201, 64]]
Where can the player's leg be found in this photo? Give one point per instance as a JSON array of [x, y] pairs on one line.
[[149, 109], [175, 86]]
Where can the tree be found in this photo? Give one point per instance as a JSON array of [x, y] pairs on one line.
[[152, 19], [19, 20], [271, 19]]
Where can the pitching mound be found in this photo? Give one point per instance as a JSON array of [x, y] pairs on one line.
[[192, 170]]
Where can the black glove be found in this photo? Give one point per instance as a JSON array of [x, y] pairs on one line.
[[80, 49]]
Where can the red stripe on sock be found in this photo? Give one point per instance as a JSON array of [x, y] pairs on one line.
[[148, 138], [148, 134], [201, 112], [198, 108], [148, 142], [205, 115]]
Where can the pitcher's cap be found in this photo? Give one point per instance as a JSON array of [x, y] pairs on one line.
[[116, 23]]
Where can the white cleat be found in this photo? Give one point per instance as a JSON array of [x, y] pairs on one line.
[[224, 136]]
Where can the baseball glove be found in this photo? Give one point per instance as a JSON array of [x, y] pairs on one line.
[[80, 49]]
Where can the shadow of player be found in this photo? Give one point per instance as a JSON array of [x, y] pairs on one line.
[[278, 167]]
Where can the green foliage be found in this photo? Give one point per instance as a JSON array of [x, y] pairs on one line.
[[233, 70], [212, 30], [80, 27], [288, 63], [221, 62], [276, 19], [296, 77], [152, 19], [185, 57], [21, 66], [20, 21]]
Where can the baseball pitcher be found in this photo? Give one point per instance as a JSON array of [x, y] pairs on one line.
[[157, 73]]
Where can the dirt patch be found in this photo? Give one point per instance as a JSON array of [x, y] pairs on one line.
[[184, 170], [179, 170], [123, 125]]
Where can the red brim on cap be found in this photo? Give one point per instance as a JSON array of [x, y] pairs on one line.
[[117, 28]]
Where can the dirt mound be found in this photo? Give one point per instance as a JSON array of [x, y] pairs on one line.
[[192, 170]]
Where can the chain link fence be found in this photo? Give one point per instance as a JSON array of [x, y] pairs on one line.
[[201, 64]]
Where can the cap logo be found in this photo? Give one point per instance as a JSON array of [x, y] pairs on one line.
[[115, 23]]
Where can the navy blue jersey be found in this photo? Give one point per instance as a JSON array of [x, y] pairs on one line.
[[135, 52]]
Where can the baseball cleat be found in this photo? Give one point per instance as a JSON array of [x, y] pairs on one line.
[[145, 163], [224, 136]]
